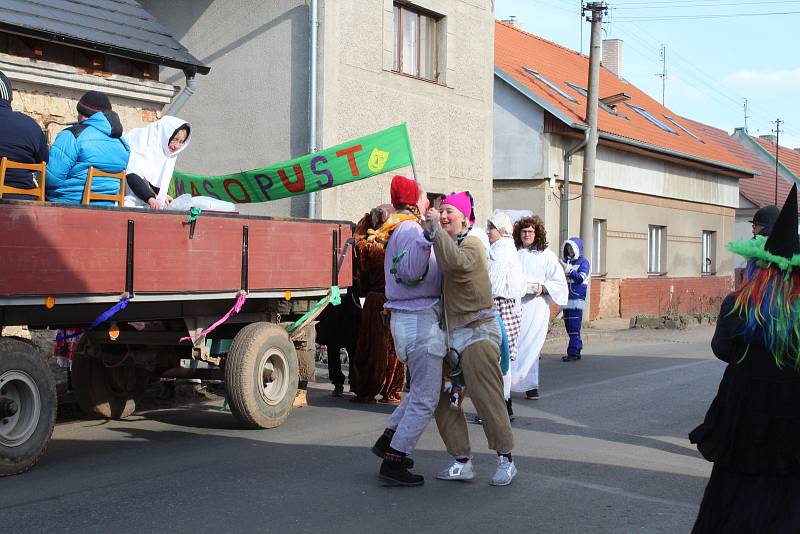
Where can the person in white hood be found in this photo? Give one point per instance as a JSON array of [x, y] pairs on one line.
[[508, 286], [154, 151]]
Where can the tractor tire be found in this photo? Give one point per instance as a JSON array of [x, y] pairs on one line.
[[261, 374], [27, 405]]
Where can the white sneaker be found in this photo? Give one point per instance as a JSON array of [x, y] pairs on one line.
[[457, 471], [506, 471]]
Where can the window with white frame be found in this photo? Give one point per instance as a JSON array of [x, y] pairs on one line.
[[598, 258], [708, 258], [656, 249], [416, 42]]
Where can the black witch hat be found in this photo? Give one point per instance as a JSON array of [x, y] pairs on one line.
[[782, 247], [783, 240]]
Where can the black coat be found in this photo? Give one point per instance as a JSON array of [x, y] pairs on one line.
[[752, 434], [23, 141]]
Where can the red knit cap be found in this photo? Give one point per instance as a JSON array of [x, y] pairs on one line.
[[404, 191]]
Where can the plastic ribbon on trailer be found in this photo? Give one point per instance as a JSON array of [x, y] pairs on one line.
[[103, 317], [333, 297], [237, 307], [194, 213]]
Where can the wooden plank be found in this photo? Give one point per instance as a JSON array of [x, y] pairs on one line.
[[58, 250]]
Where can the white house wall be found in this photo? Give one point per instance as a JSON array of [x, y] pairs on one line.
[[251, 110], [520, 149], [628, 171], [450, 124]]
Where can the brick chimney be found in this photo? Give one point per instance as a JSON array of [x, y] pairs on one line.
[[612, 55], [513, 22], [768, 138]]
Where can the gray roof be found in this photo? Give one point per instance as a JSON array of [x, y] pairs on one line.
[[119, 27]]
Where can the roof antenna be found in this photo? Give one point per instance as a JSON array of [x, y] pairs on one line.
[[746, 116]]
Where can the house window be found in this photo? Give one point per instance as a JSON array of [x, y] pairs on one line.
[[646, 114], [598, 246], [709, 256], [416, 42], [656, 247]]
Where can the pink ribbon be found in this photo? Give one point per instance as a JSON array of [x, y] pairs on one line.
[[236, 309]]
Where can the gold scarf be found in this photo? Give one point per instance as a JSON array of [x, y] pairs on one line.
[[382, 234]]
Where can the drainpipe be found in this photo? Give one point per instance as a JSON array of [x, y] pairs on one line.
[[184, 95], [564, 233], [312, 97]]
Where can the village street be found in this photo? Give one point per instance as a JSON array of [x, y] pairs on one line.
[[603, 450]]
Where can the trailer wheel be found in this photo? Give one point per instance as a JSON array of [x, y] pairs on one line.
[[261, 375], [107, 392], [27, 406]]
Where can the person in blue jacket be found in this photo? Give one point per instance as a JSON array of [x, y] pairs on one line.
[[96, 141], [577, 271], [22, 141]]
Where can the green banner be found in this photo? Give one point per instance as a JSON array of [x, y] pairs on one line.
[[355, 160]]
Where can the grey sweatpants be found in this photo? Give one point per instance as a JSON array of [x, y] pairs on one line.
[[420, 344]]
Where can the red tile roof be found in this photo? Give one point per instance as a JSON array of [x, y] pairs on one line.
[[788, 157], [516, 49], [760, 190]]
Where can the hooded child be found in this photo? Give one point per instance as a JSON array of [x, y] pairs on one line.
[[577, 271]]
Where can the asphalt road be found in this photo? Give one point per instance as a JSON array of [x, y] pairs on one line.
[[603, 450]]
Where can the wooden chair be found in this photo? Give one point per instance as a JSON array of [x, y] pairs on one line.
[[93, 173], [41, 168]]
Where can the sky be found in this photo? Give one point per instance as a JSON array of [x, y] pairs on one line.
[[714, 60]]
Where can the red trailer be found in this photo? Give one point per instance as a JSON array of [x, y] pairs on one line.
[[63, 266]]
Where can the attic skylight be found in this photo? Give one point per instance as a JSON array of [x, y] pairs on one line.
[[673, 121], [605, 107], [549, 84], [646, 114]]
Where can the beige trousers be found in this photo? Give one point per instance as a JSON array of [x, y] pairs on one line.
[[484, 385]]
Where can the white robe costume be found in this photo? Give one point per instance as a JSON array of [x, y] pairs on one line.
[[151, 158], [540, 267], [508, 281]]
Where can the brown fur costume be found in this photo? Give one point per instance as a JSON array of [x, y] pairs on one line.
[[374, 368]]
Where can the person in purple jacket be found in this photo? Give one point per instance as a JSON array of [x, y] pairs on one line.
[[413, 290], [577, 271]]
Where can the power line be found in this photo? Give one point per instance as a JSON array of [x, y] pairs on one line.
[[693, 5], [699, 17], [669, 3], [726, 98]]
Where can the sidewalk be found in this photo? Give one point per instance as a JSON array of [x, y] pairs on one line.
[[618, 329]]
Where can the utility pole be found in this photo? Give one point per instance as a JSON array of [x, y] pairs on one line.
[[596, 11], [663, 73], [777, 131]]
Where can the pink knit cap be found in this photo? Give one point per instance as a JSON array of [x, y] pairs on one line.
[[462, 202]]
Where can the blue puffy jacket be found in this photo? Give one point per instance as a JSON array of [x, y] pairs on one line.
[[96, 142], [577, 270]]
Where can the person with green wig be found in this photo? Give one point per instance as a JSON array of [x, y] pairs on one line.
[[751, 431]]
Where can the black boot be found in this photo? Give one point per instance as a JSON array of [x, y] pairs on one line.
[[509, 409], [394, 474], [382, 446]]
